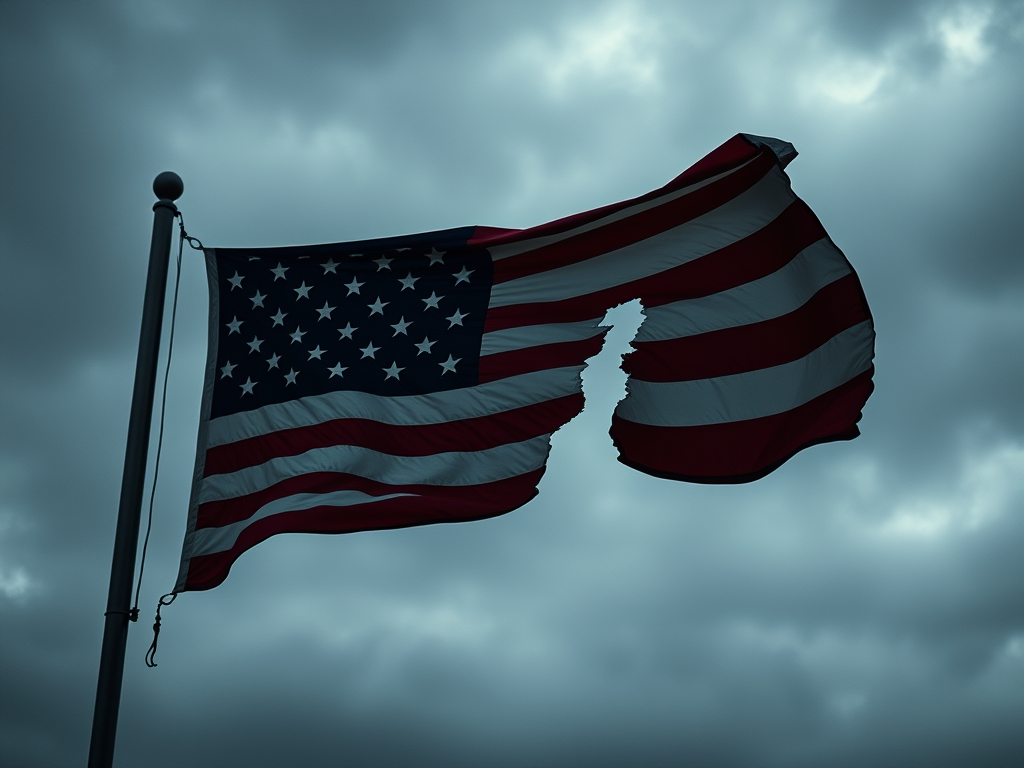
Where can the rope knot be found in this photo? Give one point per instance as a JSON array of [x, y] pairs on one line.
[[151, 653], [193, 242]]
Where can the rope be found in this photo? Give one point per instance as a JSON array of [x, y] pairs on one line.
[[193, 242], [151, 653], [169, 598], [134, 613]]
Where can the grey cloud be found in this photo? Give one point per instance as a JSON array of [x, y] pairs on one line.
[[860, 605], [875, 23]]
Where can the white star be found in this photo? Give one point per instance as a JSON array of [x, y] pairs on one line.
[[279, 272], [297, 336], [272, 361], [424, 346], [377, 308], [278, 318], [257, 300], [234, 325], [393, 371], [236, 281], [247, 387], [408, 281], [383, 263], [369, 350], [303, 291], [463, 276], [449, 365], [329, 266], [336, 371], [225, 372], [346, 332], [432, 301], [436, 256], [254, 345], [325, 311], [317, 353], [400, 327], [289, 377], [354, 286], [457, 318]]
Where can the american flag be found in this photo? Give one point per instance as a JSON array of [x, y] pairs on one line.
[[418, 379]]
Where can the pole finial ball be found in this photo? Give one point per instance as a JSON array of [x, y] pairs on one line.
[[168, 186]]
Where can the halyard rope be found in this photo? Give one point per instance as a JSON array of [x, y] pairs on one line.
[[195, 244]]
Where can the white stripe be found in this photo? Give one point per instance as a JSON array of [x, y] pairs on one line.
[[771, 296], [455, 468], [754, 394], [740, 217], [536, 335], [499, 252], [207, 541], [435, 408]]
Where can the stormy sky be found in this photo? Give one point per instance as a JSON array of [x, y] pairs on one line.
[[862, 605]]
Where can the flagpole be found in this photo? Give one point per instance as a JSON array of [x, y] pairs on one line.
[[168, 188]]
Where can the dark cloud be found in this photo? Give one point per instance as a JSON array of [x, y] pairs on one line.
[[875, 23], [860, 605]]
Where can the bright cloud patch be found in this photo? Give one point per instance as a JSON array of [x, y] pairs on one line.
[[848, 81], [987, 487], [962, 35], [616, 48]]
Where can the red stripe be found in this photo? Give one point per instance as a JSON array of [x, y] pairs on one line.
[[572, 310], [743, 450], [214, 514], [540, 358], [437, 505], [482, 235], [636, 227], [475, 434], [756, 256], [729, 155], [833, 309], [732, 153]]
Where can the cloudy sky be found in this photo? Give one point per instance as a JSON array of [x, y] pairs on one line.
[[862, 605]]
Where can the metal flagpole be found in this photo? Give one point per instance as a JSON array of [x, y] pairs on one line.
[[168, 188]]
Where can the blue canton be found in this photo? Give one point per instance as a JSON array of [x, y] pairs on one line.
[[388, 321]]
